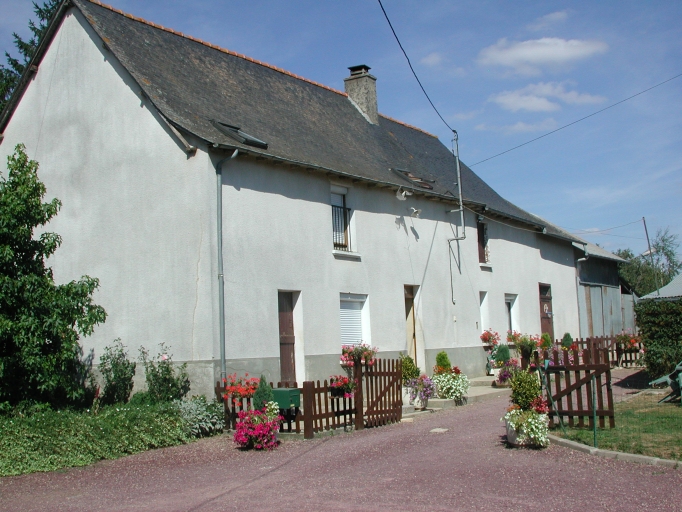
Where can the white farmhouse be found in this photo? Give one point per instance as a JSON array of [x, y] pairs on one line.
[[225, 203]]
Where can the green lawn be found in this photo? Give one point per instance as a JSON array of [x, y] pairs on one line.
[[643, 426]]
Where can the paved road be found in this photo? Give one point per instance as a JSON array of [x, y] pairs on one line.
[[399, 467]]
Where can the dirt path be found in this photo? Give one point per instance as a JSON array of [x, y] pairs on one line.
[[400, 467]]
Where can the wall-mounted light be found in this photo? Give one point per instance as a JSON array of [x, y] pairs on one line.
[[415, 212], [401, 194]]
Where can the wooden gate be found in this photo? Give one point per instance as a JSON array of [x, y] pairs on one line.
[[383, 392], [575, 381]]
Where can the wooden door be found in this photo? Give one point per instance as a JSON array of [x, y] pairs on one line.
[[287, 362], [546, 323]]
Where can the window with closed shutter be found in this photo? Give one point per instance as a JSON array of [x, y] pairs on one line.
[[351, 322]]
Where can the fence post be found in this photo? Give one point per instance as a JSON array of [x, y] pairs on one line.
[[308, 397], [359, 410]]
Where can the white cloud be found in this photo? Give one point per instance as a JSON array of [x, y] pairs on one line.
[[432, 59], [520, 127], [545, 21], [528, 57], [534, 98]]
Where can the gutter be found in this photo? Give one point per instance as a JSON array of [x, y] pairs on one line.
[[221, 277]]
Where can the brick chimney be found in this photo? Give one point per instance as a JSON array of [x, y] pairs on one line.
[[361, 88]]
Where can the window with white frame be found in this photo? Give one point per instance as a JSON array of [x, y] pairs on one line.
[[354, 319], [512, 311]]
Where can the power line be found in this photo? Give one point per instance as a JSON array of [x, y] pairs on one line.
[[410, 64], [581, 119], [585, 231]]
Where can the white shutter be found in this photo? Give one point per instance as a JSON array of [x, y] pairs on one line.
[[351, 322]]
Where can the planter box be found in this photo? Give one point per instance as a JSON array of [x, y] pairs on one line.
[[512, 437]]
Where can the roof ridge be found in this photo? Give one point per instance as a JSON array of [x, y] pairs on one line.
[[216, 47], [408, 125]]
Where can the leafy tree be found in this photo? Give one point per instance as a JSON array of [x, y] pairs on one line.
[[9, 76], [40, 321], [639, 272]]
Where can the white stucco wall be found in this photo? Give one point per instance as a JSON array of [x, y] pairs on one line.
[[137, 212], [278, 236]]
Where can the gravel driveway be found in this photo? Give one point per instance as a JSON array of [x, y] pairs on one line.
[[399, 467]]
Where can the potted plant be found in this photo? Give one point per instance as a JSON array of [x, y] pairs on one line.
[[358, 354], [421, 389], [526, 345], [507, 370], [410, 373], [526, 421], [257, 429], [239, 387], [451, 384], [491, 339], [341, 386]]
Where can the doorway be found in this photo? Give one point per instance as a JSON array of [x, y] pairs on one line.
[[287, 340], [546, 314], [410, 322]]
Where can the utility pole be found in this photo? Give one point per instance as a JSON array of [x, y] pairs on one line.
[[651, 256]]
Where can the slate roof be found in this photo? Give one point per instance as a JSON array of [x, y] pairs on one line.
[[598, 252], [193, 84], [672, 290]]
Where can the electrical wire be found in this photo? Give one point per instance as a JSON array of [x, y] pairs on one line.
[[410, 64], [585, 231], [577, 121]]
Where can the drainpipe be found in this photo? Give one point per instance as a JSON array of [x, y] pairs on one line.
[[221, 277]]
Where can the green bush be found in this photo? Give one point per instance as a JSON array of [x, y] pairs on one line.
[[443, 360], [525, 388], [502, 355], [52, 440], [117, 372], [410, 370], [660, 325], [263, 394], [165, 382], [546, 341], [567, 340], [201, 418]]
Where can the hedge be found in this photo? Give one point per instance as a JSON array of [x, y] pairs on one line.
[[660, 325]]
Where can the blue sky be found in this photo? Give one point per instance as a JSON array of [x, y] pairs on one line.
[[501, 73]]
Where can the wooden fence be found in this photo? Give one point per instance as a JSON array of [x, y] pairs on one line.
[[320, 411], [575, 377]]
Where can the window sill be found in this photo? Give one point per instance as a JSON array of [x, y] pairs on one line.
[[486, 266], [347, 255]]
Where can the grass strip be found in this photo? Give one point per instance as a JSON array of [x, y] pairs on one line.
[[57, 439], [643, 426]]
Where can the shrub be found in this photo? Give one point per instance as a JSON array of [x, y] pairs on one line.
[[546, 341], [117, 372], [410, 370], [443, 360], [41, 322], [165, 382], [263, 394], [51, 440], [502, 355], [201, 418], [525, 388], [660, 326], [566, 341]]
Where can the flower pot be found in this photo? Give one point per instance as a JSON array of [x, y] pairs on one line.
[[421, 405], [406, 396], [512, 436], [336, 392]]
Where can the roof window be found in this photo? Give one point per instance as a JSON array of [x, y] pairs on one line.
[[414, 179], [234, 132]]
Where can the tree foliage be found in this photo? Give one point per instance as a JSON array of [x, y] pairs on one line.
[[9, 75], [641, 274], [40, 322], [660, 324]]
